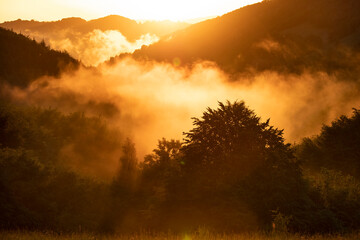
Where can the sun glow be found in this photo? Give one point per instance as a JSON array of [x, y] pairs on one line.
[[135, 9]]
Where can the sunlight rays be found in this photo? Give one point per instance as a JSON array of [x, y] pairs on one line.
[[136, 9]]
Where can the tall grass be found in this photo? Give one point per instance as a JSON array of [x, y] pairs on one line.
[[26, 235]]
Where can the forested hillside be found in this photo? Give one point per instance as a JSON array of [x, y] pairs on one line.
[[39, 150], [131, 29], [23, 60], [336, 147], [277, 35], [233, 173], [95, 41], [72, 145]]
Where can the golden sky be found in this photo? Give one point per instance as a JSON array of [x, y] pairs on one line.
[[43, 10]]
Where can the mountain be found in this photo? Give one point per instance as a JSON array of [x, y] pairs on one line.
[[23, 60], [287, 36], [95, 41], [131, 29]]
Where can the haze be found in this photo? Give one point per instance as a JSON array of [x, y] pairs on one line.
[[136, 9], [246, 124]]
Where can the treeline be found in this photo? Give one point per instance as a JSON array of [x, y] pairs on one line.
[[284, 36], [131, 29], [233, 172], [39, 150], [23, 60]]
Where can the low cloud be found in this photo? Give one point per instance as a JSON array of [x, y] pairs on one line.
[[147, 101], [94, 47]]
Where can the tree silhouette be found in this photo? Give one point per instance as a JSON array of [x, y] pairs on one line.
[[23, 60], [236, 158], [231, 139], [336, 147], [123, 189], [128, 163]]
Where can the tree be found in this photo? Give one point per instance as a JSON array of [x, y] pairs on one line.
[[164, 153], [231, 139], [121, 211], [160, 183], [234, 157], [124, 182], [331, 163], [336, 147]]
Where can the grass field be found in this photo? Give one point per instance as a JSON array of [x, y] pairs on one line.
[[201, 236]]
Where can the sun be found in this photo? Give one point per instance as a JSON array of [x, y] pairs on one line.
[[178, 10]]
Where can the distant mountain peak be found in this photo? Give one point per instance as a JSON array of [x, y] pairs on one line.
[[234, 40]]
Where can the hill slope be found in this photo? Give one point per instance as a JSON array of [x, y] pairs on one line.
[[278, 35], [95, 41], [131, 29], [23, 60]]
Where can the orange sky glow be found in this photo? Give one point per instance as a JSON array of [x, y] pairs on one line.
[[182, 10]]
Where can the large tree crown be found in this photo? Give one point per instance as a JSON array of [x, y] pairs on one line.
[[232, 127]]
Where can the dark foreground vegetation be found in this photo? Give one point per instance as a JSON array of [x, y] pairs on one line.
[[198, 235], [233, 173]]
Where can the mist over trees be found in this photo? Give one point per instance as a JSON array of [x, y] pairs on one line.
[[284, 36], [233, 173], [336, 147], [24, 60], [38, 188], [131, 29], [70, 171], [95, 41]]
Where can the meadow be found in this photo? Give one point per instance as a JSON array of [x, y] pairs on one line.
[[28, 235]]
